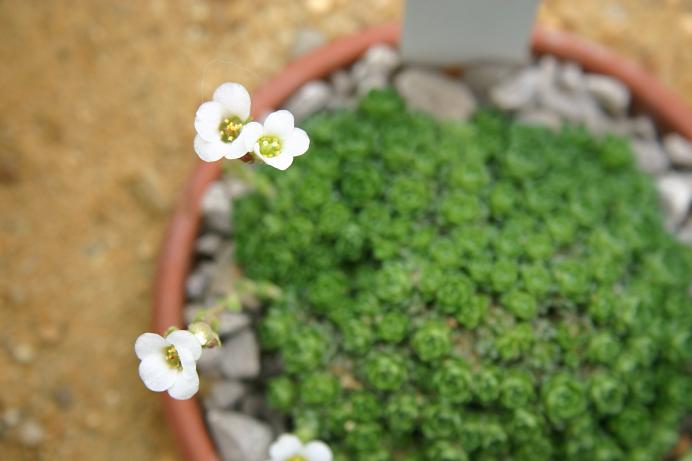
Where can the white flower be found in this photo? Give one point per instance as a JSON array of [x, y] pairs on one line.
[[278, 141], [288, 447], [170, 363], [219, 123]]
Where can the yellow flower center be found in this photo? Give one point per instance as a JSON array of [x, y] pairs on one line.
[[269, 146], [296, 458], [230, 128], [172, 357]]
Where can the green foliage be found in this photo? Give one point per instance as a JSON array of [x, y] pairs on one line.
[[452, 381], [608, 393], [517, 389], [393, 327], [521, 304], [471, 313], [481, 290], [446, 451], [384, 371], [563, 398], [486, 385], [319, 388], [305, 350], [281, 393], [402, 411], [432, 341]]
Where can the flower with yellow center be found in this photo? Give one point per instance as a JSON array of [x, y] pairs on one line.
[[170, 363], [288, 447], [277, 141], [219, 123]]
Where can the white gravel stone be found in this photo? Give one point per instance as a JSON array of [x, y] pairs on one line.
[[208, 244], [379, 59], [676, 197], [254, 405], [342, 83], [642, 126], [612, 94], [517, 92], [229, 322], [374, 69], [343, 102], [561, 89], [650, 156], [679, 149], [224, 394], [374, 81], [482, 77], [310, 98], [566, 105], [224, 277], [235, 187], [209, 363], [548, 68], [685, 232], [596, 122], [571, 77], [540, 117], [239, 437], [434, 93], [241, 356], [382, 55], [216, 208], [198, 281]]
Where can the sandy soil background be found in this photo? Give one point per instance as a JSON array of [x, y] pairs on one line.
[[96, 106]]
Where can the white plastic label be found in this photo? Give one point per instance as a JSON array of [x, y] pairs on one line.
[[448, 32]]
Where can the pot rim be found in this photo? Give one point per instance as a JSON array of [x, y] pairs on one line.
[[176, 254]]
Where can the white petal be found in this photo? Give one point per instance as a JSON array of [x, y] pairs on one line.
[[235, 149], [184, 387], [317, 451], [207, 120], [286, 446], [156, 373], [280, 162], [234, 98], [279, 123], [188, 363], [149, 343], [184, 340], [210, 151], [297, 142], [250, 134]]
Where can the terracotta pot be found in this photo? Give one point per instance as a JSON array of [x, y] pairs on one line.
[[185, 417]]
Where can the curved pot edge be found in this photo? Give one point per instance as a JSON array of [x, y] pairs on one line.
[[669, 110], [185, 417]]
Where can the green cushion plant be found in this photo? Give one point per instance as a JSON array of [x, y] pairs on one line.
[[484, 290]]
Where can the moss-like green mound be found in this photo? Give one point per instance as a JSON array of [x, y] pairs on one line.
[[485, 291]]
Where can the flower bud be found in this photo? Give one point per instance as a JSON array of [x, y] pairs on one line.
[[206, 336]]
